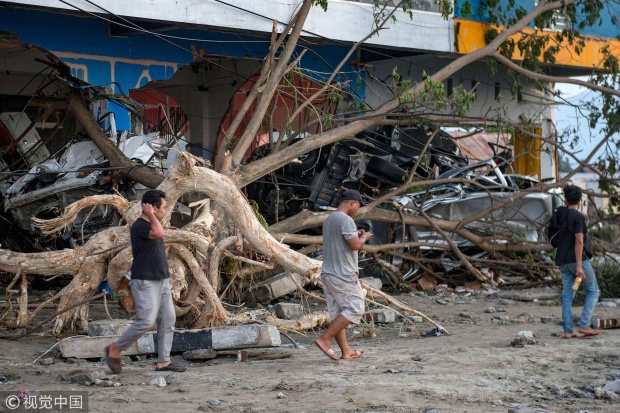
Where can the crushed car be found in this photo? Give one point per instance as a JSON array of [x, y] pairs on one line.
[[376, 160], [483, 186], [55, 181], [381, 159]]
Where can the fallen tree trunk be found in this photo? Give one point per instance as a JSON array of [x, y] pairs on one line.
[[88, 264], [184, 178], [127, 168], [108, 253], [303, 323]]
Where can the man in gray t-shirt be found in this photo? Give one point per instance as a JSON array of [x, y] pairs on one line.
[[339, 260], [343, 292]]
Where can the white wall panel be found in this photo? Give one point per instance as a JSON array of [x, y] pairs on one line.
[[344, 20]]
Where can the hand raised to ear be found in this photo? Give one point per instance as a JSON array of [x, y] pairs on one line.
[[147, 209]]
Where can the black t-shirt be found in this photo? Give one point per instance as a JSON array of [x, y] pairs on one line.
[[149, 255], [575, 224]]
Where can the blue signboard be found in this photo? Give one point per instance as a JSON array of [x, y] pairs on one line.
[[121, 63]]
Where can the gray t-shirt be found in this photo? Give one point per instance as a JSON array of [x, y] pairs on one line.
[[339, 259]]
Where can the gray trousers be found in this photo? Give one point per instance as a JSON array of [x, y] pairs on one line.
[[153, 301]]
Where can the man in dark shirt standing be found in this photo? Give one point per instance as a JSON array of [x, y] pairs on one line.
[[573, 262], [150, 286]]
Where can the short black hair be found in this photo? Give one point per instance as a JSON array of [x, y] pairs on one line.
[[572, 194], [153, 197]]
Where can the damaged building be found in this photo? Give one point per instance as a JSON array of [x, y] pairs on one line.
[[171, 78]]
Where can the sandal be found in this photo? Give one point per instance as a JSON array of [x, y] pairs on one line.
[[589, 332], [328, 352], [355, 355], [114, 364], [177, 368]]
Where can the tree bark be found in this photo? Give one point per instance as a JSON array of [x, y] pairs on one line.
[[84, 284], [129, 169], [303, 323], [212, 313], [184, 177]]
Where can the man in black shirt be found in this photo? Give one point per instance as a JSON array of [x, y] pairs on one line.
[[573, 262], [150, 286]]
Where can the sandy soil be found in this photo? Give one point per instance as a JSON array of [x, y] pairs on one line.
[[473, 370]]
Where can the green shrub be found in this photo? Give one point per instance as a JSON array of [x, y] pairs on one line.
[[608, 276]]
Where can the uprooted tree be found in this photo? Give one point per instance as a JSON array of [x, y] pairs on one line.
[[225, 225]]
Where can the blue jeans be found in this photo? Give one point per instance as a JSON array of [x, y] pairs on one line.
[[590, 286]]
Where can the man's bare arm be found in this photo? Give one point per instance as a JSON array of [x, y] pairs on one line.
[[579, 255], [356, 243], [157, 230]]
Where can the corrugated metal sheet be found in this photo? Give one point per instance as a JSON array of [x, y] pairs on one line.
[[476, 147]]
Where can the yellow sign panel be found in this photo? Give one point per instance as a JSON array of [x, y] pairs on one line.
[[527, 153], [470, 37]]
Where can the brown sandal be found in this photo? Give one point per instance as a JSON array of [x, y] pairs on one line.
[[177, 368], [589, 332], [114, 364]]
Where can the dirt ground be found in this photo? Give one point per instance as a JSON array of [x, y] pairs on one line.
[[474, 370]]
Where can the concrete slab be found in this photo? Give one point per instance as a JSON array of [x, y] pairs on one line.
[[253, 335], [93, 347], [274, 287], [234, 337], [115, 327], [380, 315], [289, 311]]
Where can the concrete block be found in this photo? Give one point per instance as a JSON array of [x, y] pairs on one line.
[[289, 311], [613, 386], [252, 335], [234, 337], [523, 338], [93, 347], [376, 283], [220, 338], [274, 287], [115, 327], [380, 315]]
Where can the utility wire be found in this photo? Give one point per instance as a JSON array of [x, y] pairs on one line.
[[383, 54], [135, 26], [139, 28]]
